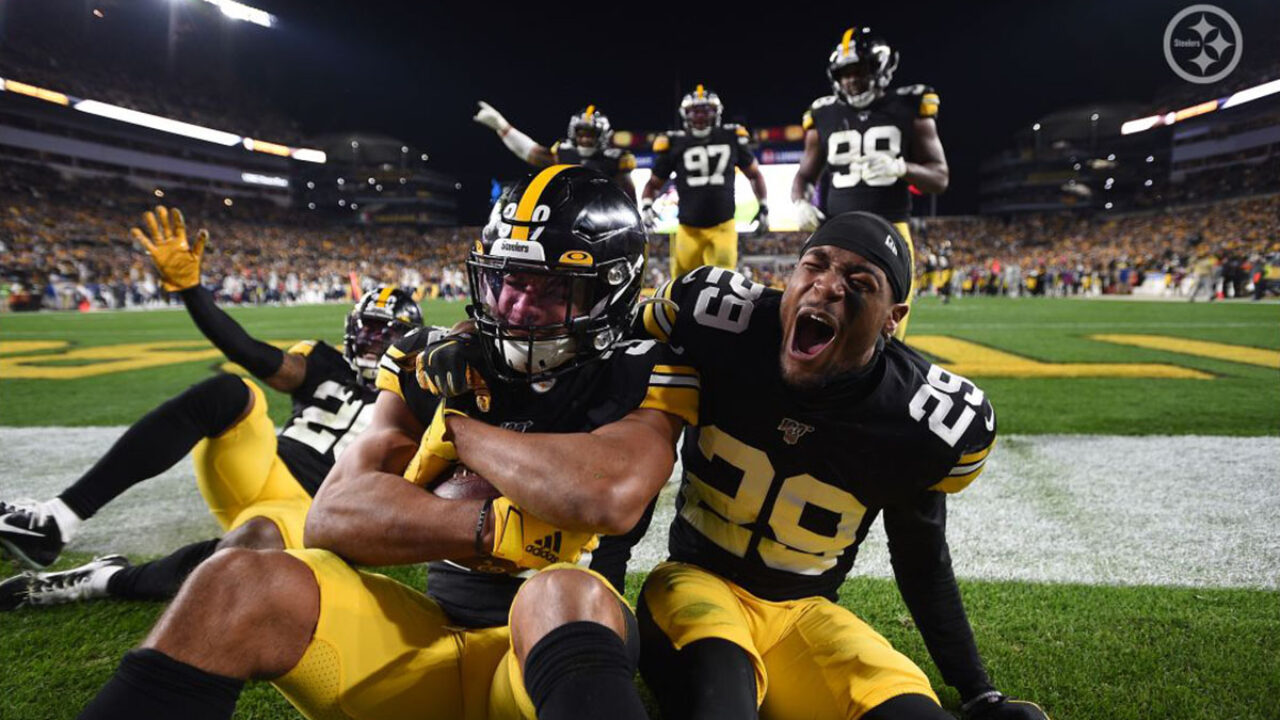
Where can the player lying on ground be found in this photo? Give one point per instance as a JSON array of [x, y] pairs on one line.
[[589, 142], [574, 429], [257, 485], [813, 420], [703, 157]]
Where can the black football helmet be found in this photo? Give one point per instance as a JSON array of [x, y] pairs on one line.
[[556, 274], [701, 110], [590, 120], [381, 317], [866, 56]]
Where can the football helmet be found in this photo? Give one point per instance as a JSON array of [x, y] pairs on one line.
[[865, 62], [381, 316], [590, 122], [556, 274], [701, 110]]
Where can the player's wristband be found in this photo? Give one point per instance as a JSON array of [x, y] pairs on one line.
[[482, 548]]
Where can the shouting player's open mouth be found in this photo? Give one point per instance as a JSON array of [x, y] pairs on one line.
[[812, 332]]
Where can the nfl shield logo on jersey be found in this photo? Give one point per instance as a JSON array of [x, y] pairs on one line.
[[793, 430]]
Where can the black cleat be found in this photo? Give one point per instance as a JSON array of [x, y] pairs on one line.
[[30, 534], [57, 588]]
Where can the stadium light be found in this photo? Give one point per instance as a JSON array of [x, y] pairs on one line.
[[240, 11], [1108, 206], [155, 122], [1253, 93], [311, 206], [36, 92], [1036, 127], [268, 180], [310, 155]]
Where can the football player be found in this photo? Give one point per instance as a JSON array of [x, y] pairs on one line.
[[574, 428], [589, 142], [258, 485], [866, 143], [813, 421], [703, 156]]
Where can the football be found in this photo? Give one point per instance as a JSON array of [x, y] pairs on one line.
[[464, 484]]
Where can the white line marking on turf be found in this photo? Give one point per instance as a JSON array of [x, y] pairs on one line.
[[1189, 510]]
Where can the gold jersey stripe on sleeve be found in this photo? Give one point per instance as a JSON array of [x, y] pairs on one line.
[[678, 400], [659, 317], [388, 379], [976, 456], [302, 348], [806, 122], [954, 484], [529, 200], [929, 105], [662, 143]]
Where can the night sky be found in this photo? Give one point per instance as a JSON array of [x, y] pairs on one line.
[[415, 70]]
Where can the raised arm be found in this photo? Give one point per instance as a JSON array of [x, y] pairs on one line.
[[367, 512], [517, 142], [178, 263]]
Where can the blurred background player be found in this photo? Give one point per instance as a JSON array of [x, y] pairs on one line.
[[703, 156], [257, 485], [865, 144], [589, 142]]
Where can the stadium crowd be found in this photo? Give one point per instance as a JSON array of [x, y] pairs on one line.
[[65, 244]]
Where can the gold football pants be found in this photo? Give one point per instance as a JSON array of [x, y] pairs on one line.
[[241, 476], [812, 658], [693, 247]]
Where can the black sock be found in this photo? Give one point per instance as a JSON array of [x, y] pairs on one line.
[[908, 707], [158, 441], [150, 684], [582, 670], [160, 579], [711, 679]]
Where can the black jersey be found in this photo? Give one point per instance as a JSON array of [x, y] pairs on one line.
[[848, 133], [634, 375], [608, 162], [330, 409], [704, 168], [780, 486]]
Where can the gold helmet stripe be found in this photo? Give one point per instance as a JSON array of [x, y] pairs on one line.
[[529, 200], [384, 295], [591, 110], [844, 42], [699, 92]]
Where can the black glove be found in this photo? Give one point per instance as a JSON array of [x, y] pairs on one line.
[[762, 220], [448, 367], [995, 706]]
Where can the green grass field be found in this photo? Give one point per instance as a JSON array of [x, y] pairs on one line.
[[1083, 652]]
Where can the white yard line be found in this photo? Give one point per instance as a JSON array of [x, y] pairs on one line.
[[1190, 510]]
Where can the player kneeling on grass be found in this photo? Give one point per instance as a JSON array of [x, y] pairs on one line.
[[813, 420], [257, 485], [574, 428]]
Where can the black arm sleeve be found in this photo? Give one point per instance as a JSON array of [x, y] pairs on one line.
[[922, 566], [257, 357]]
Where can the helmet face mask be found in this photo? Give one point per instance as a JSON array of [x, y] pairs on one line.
[[701, 111], [861, 67], [380, 318], [589, 131], [554, 281]]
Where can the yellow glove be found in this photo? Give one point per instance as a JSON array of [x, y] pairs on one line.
[[435, 454], [177, 262], [530, 542]]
